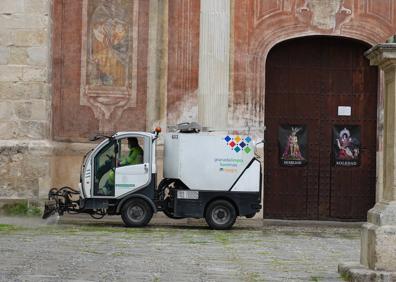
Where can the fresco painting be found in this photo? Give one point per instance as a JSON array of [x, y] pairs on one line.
[[108, 43]]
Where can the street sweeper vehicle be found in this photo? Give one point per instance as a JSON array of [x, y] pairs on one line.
[[205, 175]]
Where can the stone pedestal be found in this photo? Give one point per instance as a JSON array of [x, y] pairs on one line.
[[378, 243]]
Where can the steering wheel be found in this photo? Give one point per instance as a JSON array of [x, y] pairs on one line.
[[111, 158]]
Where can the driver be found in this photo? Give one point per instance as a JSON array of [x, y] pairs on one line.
[[135, 156]]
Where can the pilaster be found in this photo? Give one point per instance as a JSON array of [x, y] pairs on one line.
[[214, 63], [378, 242]]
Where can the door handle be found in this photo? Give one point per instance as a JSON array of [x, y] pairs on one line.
[[145, 167]]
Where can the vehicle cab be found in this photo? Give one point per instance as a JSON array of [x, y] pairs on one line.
[[106, 172]]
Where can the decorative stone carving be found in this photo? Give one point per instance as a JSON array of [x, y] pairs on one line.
[[260, 25], [324, 15]]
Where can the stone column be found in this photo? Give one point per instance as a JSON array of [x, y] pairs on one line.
[[214, 63], [157, 65], [378, 244]]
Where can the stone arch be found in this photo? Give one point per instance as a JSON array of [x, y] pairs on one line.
[[259, 50], [260, 25]]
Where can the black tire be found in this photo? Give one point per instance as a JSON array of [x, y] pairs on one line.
[[220, 214], [136, 213]]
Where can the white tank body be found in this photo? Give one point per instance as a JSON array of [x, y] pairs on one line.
[[204, 161]]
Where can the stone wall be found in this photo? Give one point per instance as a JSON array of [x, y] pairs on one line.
[[168, 73], [24, 97]]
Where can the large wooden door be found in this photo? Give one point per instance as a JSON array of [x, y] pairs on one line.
[[307, 80]]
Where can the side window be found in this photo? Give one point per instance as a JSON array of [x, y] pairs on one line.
[[131, 151], [104, 164]]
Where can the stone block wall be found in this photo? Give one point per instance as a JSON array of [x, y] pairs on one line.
[[25, 100]]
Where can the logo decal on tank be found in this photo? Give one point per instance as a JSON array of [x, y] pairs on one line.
[[237, 143]]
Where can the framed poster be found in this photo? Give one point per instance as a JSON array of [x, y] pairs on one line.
[[346, 145], [293, 145]]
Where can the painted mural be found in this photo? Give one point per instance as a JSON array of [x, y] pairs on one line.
[[108, 44], [100, 50], [109, 56]]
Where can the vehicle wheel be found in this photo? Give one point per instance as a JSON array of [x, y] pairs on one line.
[[136, 212], [220, 214]]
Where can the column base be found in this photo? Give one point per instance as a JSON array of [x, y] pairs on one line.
[[355, 272], [378, 245], [25, 169]]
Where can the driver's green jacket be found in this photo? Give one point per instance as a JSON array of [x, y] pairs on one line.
[[135, 156]]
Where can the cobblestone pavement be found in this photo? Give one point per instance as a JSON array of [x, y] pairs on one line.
[[167, 250]]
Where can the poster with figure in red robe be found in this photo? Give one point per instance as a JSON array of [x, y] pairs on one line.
[[293, 145], [346, 145]]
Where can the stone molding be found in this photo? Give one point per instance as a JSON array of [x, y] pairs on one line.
[[383, 213], [382, 55]]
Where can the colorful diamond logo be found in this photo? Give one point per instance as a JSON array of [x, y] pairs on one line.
[[248, 139], [227, 139], [247, 150], [237, 149], [237, 139], [242, 144], [232, 144]]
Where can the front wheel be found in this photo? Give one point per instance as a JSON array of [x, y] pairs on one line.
[[136, 213], [220, 214]]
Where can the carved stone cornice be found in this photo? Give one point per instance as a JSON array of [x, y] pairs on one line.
[[382, 55]]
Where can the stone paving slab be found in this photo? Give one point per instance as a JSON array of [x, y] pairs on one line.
[[80, 249]]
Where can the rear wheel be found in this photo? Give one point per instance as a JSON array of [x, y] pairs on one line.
[[136, 212], [220, 214]]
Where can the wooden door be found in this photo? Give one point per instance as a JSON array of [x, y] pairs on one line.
[[307, 80]]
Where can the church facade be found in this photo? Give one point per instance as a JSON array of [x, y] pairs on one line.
[[292, 72]]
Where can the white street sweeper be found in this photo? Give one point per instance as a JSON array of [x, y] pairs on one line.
[[205, 175]]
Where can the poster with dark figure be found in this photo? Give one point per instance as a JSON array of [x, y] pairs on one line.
[[293, 145], [346, 145]]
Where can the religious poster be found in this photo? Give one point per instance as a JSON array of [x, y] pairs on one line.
[[293, 145], [346, 145]]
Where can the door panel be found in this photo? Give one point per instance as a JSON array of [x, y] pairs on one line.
[[306, 80], [130, 178], [133, 169]]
